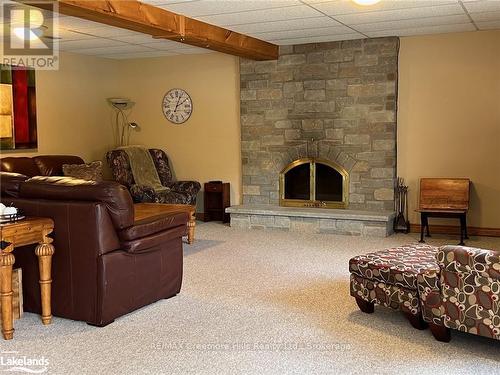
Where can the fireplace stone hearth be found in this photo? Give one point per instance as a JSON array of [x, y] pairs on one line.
[[312, 220]]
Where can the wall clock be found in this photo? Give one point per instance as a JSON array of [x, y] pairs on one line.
[[177, 106]]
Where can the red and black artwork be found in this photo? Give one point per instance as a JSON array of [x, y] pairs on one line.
[[17, 108]]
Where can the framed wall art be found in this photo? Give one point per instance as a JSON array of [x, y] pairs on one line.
[[18, 125]]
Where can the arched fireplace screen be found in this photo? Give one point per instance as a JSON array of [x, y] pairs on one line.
[[312, 182]]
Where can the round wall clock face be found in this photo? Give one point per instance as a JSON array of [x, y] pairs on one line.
[[177, 106]]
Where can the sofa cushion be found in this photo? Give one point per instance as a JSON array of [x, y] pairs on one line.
[[21, 165], [397, 266], [115, 196], [154, 224], [51, 165]]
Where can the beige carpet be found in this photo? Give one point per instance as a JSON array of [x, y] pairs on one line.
[[263, 302]]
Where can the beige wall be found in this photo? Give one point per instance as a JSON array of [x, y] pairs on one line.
[[72, 115], [449, 116], [448, 121], [207, 146]]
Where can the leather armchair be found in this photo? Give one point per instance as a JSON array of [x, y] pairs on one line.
[[179, 192], [465, 293], [106, 263]]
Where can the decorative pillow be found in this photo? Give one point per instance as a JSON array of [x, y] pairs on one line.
[[91, 171]]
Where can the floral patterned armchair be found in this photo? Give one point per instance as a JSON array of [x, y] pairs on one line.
[[178, 192], [465, 293]]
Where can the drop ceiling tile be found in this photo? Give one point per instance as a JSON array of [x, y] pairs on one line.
[[138, 55], [165, 45], [485, 16], [192, 50], [75, 23], [400, 14], [134, 38], [297, 24], [482, 6], [490, 25], [211, 7], [413, 23], [423, 30], [126, 48], [265, 15], [290, 34], [318, 39], [67, 35], [339, 7], [162, 2], [105, 31], [75, 45]]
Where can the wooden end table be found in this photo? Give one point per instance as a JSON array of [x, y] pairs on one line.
[[145, 210], [216, 200], [26, 232]]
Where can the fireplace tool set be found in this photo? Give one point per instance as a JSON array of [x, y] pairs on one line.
[[401, 222]]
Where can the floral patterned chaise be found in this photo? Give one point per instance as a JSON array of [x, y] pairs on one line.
[[178, 192], [454, 287], [465, 293]]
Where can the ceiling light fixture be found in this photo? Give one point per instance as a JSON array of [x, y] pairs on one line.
[[27, 29], [22, 32], [366, 2]]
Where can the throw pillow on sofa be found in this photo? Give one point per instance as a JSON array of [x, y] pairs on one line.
[[91, 171]]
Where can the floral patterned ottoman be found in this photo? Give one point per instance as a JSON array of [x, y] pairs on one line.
[[389, 278]]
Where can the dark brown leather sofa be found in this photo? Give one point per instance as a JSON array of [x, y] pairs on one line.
[[105, 264]]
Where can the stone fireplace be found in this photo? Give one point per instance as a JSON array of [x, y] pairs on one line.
[[319, 106]]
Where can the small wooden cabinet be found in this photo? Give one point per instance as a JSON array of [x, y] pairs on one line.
[[216, 200]]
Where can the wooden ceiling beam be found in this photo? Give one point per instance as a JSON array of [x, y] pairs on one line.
[[163, 24]]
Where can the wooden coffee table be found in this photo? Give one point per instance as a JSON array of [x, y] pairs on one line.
[[146, 210], [25, 232]]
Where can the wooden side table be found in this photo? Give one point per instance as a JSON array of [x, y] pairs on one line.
[[26, 232], [216, 200]]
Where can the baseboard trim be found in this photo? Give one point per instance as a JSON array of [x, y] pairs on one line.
[[452, 229], [200, 216]]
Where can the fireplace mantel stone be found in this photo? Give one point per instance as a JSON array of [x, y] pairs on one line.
[[312, 220]]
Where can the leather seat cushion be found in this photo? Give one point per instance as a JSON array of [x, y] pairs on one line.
[[154, 224]]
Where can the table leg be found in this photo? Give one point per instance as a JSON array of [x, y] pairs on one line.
[[44, 251], [465, 223], [6, 263], [422, 227], [462, 230], [191, 224]]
